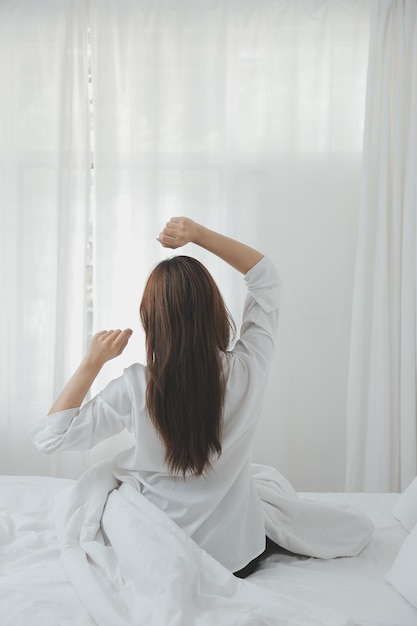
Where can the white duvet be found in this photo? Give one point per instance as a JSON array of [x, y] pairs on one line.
[[35, 589], [129, 564]]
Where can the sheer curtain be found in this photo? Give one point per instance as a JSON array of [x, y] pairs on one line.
[[44, 191], [244, 114], [382, 417], [247, 116]]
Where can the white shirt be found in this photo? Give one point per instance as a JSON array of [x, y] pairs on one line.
[[221, 512]]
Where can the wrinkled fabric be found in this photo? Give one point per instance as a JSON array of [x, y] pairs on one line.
[[129, 563]]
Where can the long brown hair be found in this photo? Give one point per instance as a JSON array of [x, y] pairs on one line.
[[187, 326]]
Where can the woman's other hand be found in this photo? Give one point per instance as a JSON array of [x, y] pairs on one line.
[[104, 346], [107, 344]]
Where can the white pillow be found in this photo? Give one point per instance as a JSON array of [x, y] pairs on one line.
[[405, 509], [403, 573]]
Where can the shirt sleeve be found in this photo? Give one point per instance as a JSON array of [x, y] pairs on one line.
[[105, 415], [260, 315]]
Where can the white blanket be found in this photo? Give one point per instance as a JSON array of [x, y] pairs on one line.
[[131, 565], [302, 526]]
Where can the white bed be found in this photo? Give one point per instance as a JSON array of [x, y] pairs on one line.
[[354, 586], [35, 589]]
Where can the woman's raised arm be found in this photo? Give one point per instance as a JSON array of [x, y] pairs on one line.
[[182, 230]]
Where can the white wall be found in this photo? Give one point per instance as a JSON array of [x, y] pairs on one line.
[[302, 429]]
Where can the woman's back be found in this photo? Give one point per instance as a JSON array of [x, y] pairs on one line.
[[207, 487], [220, 510]]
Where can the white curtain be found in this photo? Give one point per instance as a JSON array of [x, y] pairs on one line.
[[381, 410], [249, 117], [245, 114], [44, 195]]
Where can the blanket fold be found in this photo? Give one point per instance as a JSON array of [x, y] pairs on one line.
[[131, 565], [305, 527]]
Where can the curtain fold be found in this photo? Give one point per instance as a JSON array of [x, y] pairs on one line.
[[44, 190], [381, 408]]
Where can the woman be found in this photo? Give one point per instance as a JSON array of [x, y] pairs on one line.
[[194, 407]]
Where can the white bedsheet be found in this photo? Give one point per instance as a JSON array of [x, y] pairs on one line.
[[355, 587], [160, 577]]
